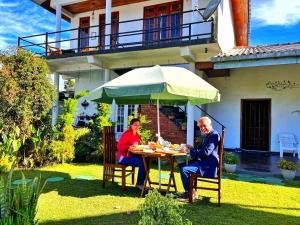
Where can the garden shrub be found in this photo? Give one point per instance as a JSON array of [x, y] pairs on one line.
[[63, 150], [102, 119], [161, 210], [9, 146], [82, 148], [26, 94], [62, 147], [34, 151]]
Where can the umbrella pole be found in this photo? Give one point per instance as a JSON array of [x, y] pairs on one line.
[[158, 137], [158, 122]]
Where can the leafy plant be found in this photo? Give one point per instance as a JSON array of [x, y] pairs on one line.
[[9, 146], [26, 94], [82, 149], [63, 146], [287, 165], [161, 210], [145, 134], [230, 158], [102, 119], [69, 85], [19, 205]]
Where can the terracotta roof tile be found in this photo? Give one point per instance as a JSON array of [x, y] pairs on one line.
[[257, 50]]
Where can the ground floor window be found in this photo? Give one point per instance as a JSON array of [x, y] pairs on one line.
[[122, 112]]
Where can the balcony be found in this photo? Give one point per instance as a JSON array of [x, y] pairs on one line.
[[185, 29]]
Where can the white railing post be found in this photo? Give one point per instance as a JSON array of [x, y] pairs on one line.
[[108, 24], [55, 105], [58, 26]]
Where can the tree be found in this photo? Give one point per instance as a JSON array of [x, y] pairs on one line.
[[64, 144], [26, 95]]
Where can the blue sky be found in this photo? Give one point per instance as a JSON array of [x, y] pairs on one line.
[[272, 21]]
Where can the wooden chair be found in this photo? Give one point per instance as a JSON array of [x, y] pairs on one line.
[[110, 164], [194, 178]]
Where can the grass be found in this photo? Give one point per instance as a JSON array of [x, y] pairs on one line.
[[85, 202]]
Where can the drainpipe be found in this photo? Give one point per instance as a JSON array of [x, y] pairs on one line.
[[58, 25]]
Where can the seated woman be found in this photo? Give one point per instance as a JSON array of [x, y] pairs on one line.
[[128, 140]]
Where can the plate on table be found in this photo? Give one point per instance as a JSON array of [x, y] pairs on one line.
[[141, 147]]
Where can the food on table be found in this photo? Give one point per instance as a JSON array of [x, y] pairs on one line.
[[154, 145], [174, 146], [141, 147]]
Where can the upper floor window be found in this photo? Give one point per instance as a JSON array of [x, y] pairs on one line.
[[162, 22]]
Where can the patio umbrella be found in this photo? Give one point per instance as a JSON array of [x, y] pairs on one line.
[[167, 85], [158, 84]]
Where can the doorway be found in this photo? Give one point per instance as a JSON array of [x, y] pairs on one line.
[[84, 24], [114, 30], [255, 124]]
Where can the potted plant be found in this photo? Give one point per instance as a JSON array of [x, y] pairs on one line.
[[288, 169], [171, 115], [230, 162]]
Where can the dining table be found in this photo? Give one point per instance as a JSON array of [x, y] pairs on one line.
[[148, 154]]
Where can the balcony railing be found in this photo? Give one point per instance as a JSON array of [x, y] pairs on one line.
[[155, 32]]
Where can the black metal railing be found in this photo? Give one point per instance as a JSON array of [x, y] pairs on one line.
[[124, 35]]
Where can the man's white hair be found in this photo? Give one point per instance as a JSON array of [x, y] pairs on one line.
[[205, 118]]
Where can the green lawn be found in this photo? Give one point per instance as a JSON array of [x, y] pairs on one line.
[[85, 202]]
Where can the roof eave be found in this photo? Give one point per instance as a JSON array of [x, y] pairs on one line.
[[258, 61]]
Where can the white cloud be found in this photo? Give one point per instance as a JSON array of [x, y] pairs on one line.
[[5, 42], [275, 12], [23, 20], [8, 4]]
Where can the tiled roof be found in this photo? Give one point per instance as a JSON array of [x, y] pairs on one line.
[[256, 52]]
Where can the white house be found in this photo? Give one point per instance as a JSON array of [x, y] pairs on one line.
[[260, 97], [108, 38]]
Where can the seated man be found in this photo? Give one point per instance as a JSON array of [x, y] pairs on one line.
[[205, 158]]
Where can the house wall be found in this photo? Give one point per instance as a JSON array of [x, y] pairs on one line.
[[225, 28], [250, 83], [136, 11]]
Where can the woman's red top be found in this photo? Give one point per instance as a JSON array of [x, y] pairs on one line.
[[127, 139]]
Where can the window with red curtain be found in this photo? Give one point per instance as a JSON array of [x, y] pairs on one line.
[[162, 22], [84, 24]]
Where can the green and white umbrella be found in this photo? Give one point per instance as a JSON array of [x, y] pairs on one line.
[[167, 85]]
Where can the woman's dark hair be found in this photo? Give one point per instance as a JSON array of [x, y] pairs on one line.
[[134, 120]]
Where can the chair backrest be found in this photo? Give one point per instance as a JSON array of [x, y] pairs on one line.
[[109, 145], [287, 141], [220, 149]]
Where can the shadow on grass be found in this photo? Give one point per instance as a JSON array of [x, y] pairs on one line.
[[201, 212], [76, 187]]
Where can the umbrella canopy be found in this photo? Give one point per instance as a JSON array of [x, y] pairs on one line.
[[169, 85], [158, 84]]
